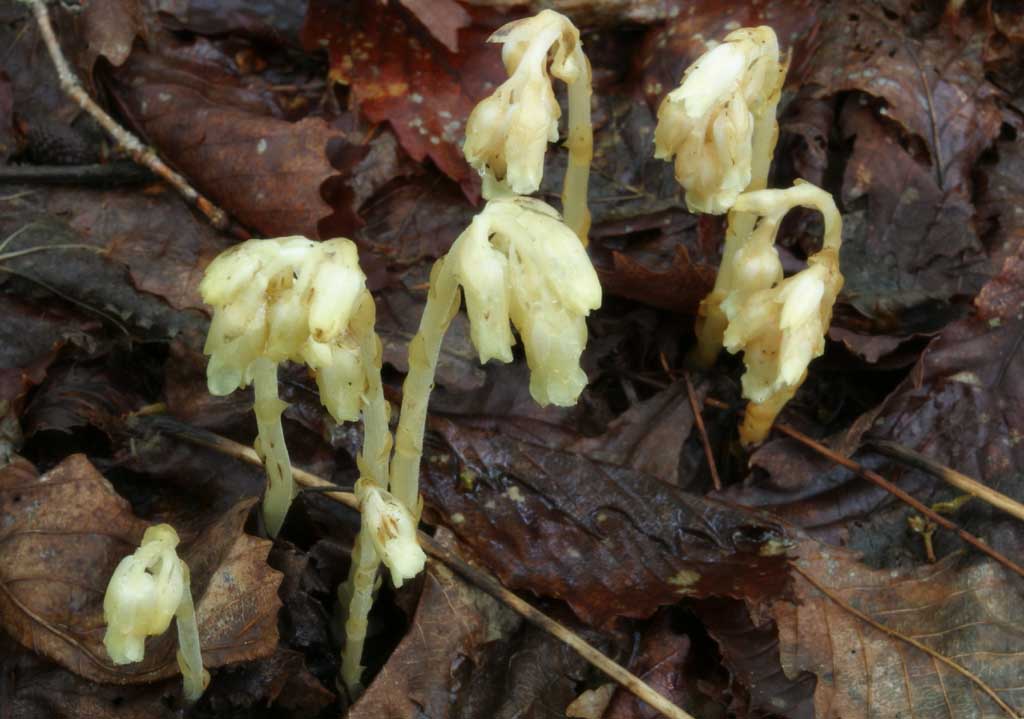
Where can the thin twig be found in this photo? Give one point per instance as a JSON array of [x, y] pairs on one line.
[[699, 420], [489, 584], [901, 495], [476, 576], [139, 152], [111, 174], [890, 488], [909, 640], [961, 481]]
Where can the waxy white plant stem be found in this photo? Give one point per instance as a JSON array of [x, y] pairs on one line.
[[580, 143], [442, 304], [357, 591], [190, 660], [270, 444]]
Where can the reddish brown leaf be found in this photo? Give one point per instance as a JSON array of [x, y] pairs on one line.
[[443, 18], [66, 530], [263, 170], [661, 661], [401, 75], [610, 541]]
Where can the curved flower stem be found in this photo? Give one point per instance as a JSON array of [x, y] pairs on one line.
[[270, 445], [356, 593], [711, 321], [442, 304], [580, 143], [190, 659]]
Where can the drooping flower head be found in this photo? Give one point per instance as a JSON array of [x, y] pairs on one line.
[[519, 263], [290, 299], [393, 532], [507, 133], [780, 326], [143, 595], [720, 122]]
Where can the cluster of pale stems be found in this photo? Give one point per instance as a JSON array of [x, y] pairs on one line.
[[518, 264]]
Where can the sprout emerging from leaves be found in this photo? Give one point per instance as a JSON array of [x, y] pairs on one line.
[[719, 124], [148, 589], [393, 530]]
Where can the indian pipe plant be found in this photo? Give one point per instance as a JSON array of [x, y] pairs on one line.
[[518, 265], [147, 589], [720, 127]]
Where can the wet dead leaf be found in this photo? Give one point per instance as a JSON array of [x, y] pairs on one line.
[[64, 533], [608, 540]]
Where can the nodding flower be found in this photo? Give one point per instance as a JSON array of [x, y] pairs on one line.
[[719, 124]]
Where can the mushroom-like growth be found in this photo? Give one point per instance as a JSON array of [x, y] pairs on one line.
[[148, 589], [779, 325], [720, 122], [518, 263], [507, 134], [288, 299]]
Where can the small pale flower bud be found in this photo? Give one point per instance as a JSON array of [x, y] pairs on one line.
[[393, 531], [709, 122]]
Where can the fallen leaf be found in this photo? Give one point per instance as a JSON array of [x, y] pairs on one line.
[[401, 75], [933, 85], [86, 278], [661, 661], [443, 18], [906, 242], [34, 688], [155, 235], [759, 686], [648, 436], [452, 621], [66, 530], [609, 541], [967, 611], [263, 170]]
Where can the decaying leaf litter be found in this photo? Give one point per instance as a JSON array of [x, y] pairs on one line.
[[324, 122]]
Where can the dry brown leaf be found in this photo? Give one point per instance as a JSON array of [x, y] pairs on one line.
[[965, 609], [65, 531], [453, 620]]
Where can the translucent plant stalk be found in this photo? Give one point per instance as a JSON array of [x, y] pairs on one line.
[[580, 144], [711, 320], [277, 300], [357, 592], [518, 264], [778, 323], [270, 445], [190, 659], [442, 304], [719, 126]]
